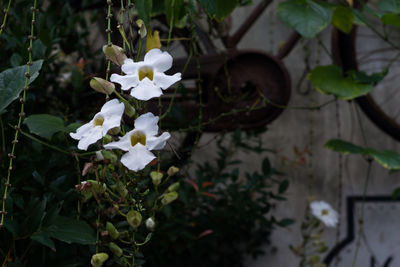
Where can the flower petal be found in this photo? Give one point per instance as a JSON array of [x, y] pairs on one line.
[[124, 143], [137, 158], [90, 137], [129, 66], [81, 131], [164, 81], [157, 143], [147, 123], [146, 90], [127, 82], [160, 61], [112, 115]]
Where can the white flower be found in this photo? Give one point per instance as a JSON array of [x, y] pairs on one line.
[[324, 212], [146, 78], [140, 141], [109, 117], [150, 224]]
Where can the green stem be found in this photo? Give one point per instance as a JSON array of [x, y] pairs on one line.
[[21, 114], [3, 25], [171, 23]]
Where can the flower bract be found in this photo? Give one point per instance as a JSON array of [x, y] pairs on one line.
[[146, 78], [139, 142], [324, 212], [109, 117]]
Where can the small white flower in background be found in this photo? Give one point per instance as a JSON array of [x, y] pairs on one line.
[[146, 78], [324, 212], [109, 117], [139, 142], [150, 224]]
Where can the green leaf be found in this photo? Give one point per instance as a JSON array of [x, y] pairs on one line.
[[396, 193], [374, 78], [71, 231], [391, 19], [392, 6], [44, 125], [219, 9], [330, 80], [175, 12], [44, 239], [12, 81], [144, 10], [388, 159], [343, 147], [266, 167], [343, 19], [307, 19], [283, 186]]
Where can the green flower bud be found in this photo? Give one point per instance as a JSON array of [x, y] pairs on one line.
[[98, 259], [142, 28], [115, 54], [107, 139], [129, 109], [121, 189], [134, 218], [115, 249], [124, 234], [173, 187], [102, 86], [97, 187], [168, 198], [172, 170], [156, 177], [150, 224], [112, 231], [109, 155], [114, 131]]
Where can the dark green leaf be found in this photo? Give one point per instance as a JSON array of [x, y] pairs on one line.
[[71, 231], [144, 10], [396, 193], [305, 19], [392, 6], [343, 18], [391, 19], [266, 167], [12, 81], [374, 78], [283, 186], [44, 125], [219, 9], [343, 147], [44, 239], [330, 80], [175, 12], [388, 159]]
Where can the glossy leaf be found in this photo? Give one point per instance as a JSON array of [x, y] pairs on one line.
[[343, 147], [143, 8], [219, 9], [331, 80], [44, 125], [308, 19], [12, 81], [72, 231], [343, 19]]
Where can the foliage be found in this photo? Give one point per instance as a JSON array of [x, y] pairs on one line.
[[222, 214]]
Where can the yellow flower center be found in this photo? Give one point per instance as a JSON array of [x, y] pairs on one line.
[[146, 72], [98, 121], [138, 137], [324, 212]]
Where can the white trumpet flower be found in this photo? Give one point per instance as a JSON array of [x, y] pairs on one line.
[[109, 117], [146, 78], [139, 142], [324, 212]]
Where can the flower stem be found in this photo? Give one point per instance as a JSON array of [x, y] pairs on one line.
[[3, 25], [21, 114]]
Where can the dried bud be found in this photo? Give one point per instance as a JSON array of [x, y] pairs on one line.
[[153, 41], [142, 28], [115, 249], [112, 231], [150, 224], [156, 177], [168, 198], [115, 54], [173, 187], [134, 218], [98, 259], [172, 171], [102, 86]]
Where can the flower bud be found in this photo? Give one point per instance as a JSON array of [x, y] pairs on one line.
[[107, 139], [102, 86], [98, 259], [124, 234], [173, 187], [134, 218], [129, 109], [172, 170], [99, 156], [153, 40], [142, 28], [97, 187], [109, 155], [121, 189], [114, 131], [112, 231], [115, 54], [115, 249], [156, 177], [150, 224], [168, 198]]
